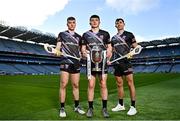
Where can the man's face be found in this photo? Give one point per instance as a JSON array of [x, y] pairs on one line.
[[119, 25], [71, 24], [94, 22]]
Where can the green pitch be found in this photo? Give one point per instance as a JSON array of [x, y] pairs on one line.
[[36, 97]]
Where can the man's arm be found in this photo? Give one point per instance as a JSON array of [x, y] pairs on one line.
[[135, 43], [84, 51], [58, 46], [109, 51]]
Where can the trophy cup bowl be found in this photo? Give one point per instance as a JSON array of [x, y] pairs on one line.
[[96, 55]]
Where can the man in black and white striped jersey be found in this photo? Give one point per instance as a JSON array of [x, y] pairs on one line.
[[68, 43]]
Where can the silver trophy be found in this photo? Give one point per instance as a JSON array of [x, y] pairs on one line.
[[96, 56]]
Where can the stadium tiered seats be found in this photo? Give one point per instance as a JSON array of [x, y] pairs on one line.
[[2, 47], [12, 69], [164, 68], [159, 51], [138, 68], [176, 68], [52, 69], [11, 46], [148, 52], [20, 52], [150, 68], [25, 68], [23, 47], [158, 58], [8, 68]]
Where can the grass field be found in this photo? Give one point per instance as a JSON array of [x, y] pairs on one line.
[[36, 97]]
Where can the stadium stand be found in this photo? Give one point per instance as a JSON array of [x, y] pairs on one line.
[[158, 56], [21, 52], [164, 68], [139, 68], [176, 68]]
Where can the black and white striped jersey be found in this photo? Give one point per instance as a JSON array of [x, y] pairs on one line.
[[122, 44], [70, 43], [100, 39]]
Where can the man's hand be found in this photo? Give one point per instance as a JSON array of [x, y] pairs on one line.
[[129, 55], [136, 50], [84, 54], [57, 52], [108, 56], [108, 62]]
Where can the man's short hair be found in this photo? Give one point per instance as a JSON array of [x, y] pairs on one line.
[[94, 16], [119, 19], [70, 18]]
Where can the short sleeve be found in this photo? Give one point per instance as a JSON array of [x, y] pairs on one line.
[[83, 40], [112, 41], [59, 38], [132, 37], [80, 40], [108, 38]]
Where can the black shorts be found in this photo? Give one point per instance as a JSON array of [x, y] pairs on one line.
[[93, 69], [123, 68], [98, 72], [70, 68]]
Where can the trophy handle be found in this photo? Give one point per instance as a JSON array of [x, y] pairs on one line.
[[104, 63], [88, 66]]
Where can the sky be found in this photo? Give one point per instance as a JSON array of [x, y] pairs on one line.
[[147, 19]]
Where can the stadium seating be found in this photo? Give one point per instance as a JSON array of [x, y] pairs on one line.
[[23, 47], [12, 69], [176, 68], [159, 51], [8, 69], [164, 68], [7, 45], [150, 68], [139, 68], [21, 53]]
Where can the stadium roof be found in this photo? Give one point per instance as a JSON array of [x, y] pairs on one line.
[[39, 37], [27, 35], [160, 42]]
